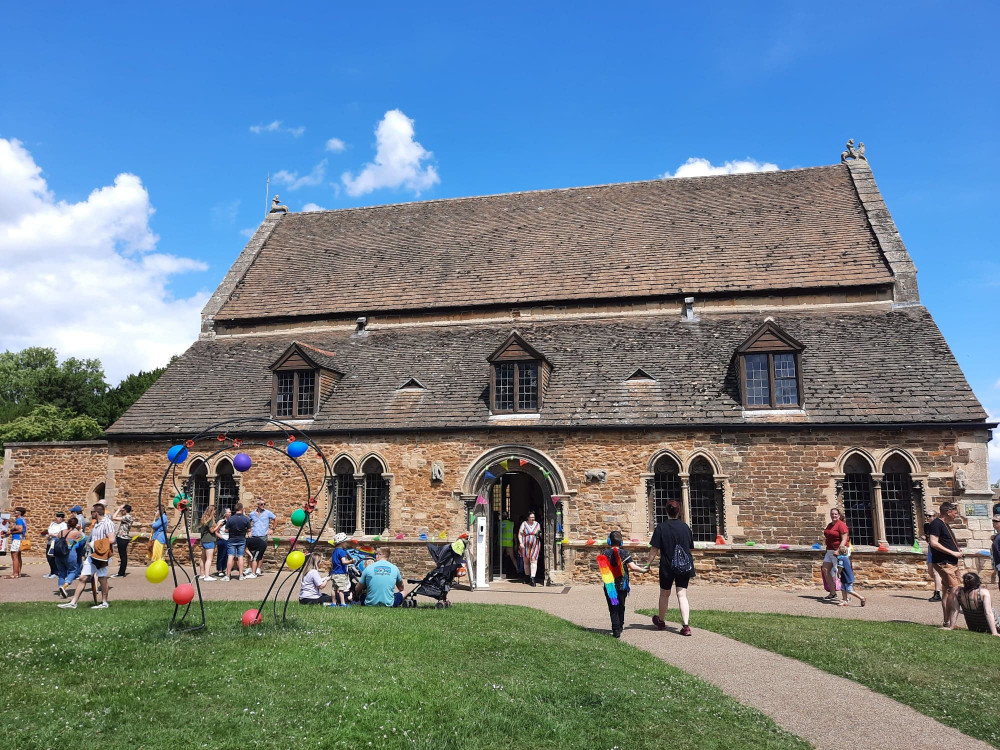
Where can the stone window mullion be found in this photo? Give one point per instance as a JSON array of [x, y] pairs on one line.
[[879, 514]]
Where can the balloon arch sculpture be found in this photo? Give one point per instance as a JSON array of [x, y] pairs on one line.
[[273, 435]]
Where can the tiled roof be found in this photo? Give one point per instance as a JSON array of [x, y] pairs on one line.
[[870, 368], [794, 229]]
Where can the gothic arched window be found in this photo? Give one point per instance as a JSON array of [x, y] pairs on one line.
[[227, 489], [376, 507], [705, 502], [665, 486], [897, 501], [347, 496], [858, 500]]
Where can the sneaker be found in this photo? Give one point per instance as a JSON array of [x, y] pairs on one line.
[[831, 595], [616, 633], [50, 575], [206, 579], [660, 624], [67, 605], [225, 578], [243, 578], [62, 592], [117, 575], [250, 575], [936, 597], [220, 574], [102, 605], [686, 630]]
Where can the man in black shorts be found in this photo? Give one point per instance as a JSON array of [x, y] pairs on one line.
[[667, 538]]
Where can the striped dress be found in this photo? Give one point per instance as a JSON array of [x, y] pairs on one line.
[[528, 536], [975, 612]]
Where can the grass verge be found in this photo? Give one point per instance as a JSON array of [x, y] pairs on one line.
[[950, 676], [473, 676]]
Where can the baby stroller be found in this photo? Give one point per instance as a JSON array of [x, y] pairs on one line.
[[360, 559], [449, 560]]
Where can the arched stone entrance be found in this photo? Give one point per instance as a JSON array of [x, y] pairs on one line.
[[515, 480]]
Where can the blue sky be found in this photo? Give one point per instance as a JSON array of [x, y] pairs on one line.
[[516, 96]]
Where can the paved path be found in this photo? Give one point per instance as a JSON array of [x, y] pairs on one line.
[[828, 711]]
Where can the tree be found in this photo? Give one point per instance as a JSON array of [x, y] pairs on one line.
[[120, 398], [34, 376], [48, 422]]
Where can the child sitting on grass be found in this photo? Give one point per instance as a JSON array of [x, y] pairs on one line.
[[614, 553], [846, 573]]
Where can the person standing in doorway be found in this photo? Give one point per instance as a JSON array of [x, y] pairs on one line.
[[836, 535], [672, 541], [18, 528], [262, 525], [125, 520], [527, 537], [946, 555], [507, 540], [58, 524]]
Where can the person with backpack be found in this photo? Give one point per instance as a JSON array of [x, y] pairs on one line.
[[618, 562], [672, 541], [58, 524], [100, 550], [64, 553]]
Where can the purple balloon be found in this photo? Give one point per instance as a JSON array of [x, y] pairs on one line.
[[241, 462]]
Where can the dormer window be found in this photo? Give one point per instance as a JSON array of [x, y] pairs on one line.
[[518, 375], [302, 376], [770, 371]]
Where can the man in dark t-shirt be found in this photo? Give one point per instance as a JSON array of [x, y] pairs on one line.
[[238, 525], [667, 537], [944, 557]]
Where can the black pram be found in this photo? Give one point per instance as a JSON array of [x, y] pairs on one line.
[[449, 559]]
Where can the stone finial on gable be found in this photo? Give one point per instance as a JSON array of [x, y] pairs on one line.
[[276, 207], [858, 154]]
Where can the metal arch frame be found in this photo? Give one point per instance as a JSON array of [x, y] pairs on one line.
[[221, 430]]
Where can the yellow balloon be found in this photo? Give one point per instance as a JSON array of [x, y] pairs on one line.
[[295, 559], [157, 572]]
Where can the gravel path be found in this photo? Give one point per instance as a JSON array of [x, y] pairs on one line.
[[828, 711]]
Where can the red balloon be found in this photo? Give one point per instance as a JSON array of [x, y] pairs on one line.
[[183, 594], [251, 617]]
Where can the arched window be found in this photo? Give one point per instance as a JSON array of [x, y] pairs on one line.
[[664, 486], [858, 500], [347, 496], [376, 508], [897, 501], [227, 490], [197, 487], [705, 502]]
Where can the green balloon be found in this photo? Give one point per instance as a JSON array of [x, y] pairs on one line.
[[298, 517]]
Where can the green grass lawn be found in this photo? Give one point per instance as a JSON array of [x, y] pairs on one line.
[[473, 676], [952, 676]]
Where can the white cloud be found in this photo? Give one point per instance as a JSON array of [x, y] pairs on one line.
[[85, 278], [248, 232], [698, 167], [335, 145], [294, 181], [275, 126], [398, 160], [224, 213], [309, 207]]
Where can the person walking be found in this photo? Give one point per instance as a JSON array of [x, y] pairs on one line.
[[159, 536], [934, 575], [58, 524], [221, 544], [836, 536], [672, 541], [527, 537], [262, 525], [621, 563], [123, 536], [845, 572], [238, 525], [208, 540], [975, 603], [945, 555], [100, 550], [313, 581], [65, 555], [18, 529]]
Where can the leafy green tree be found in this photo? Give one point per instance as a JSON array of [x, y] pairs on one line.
[[48, 422], [120, 398], [34, 376]]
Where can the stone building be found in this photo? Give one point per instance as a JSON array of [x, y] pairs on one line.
[[753, 346]]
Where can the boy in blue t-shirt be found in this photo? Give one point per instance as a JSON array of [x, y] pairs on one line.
[[338, 571], [846, 571]]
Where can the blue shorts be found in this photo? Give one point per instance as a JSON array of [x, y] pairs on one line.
[[208, 545], [237, 547], [929, 561]]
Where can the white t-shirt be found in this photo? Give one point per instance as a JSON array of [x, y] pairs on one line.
[[223, 532], [312, 582], [54, 529]]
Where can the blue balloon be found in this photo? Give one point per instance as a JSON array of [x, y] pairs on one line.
[[177, 454], [297, 448]]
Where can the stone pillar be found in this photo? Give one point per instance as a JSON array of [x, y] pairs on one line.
[[685, 498], [720, 504], [359, 504], [879, 510]]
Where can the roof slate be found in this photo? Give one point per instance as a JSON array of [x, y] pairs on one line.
[[794, 229], [858, 368]]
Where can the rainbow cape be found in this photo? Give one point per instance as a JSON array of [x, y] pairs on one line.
[[604, 566], [618, 570]]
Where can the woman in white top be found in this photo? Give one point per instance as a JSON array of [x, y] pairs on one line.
[[313, 581]]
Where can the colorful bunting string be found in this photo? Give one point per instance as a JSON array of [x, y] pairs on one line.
[[423, 537], [400, 536], [443, 535], [503, 464], [522, 462], [490, 475], [555, 499]]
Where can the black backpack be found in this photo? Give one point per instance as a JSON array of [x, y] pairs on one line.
[[61, 547], [682, 562]]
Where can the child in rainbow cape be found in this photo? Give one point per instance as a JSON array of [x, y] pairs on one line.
[[614, 563]]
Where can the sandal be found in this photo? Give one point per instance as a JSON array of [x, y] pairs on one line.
[[863, 601]]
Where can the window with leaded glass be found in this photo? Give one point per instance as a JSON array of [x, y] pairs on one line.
[[346, 497], [227, 491], [503, 398], [515, 387], [294, 393], [527, 386], [758, 382], [376, 498], [197, 487], [897, 502], [857, 494], [665, 487], [786, 381], [705, 502], [771, 380]]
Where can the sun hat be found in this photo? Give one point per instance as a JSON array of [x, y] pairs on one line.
[[340, 537]]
